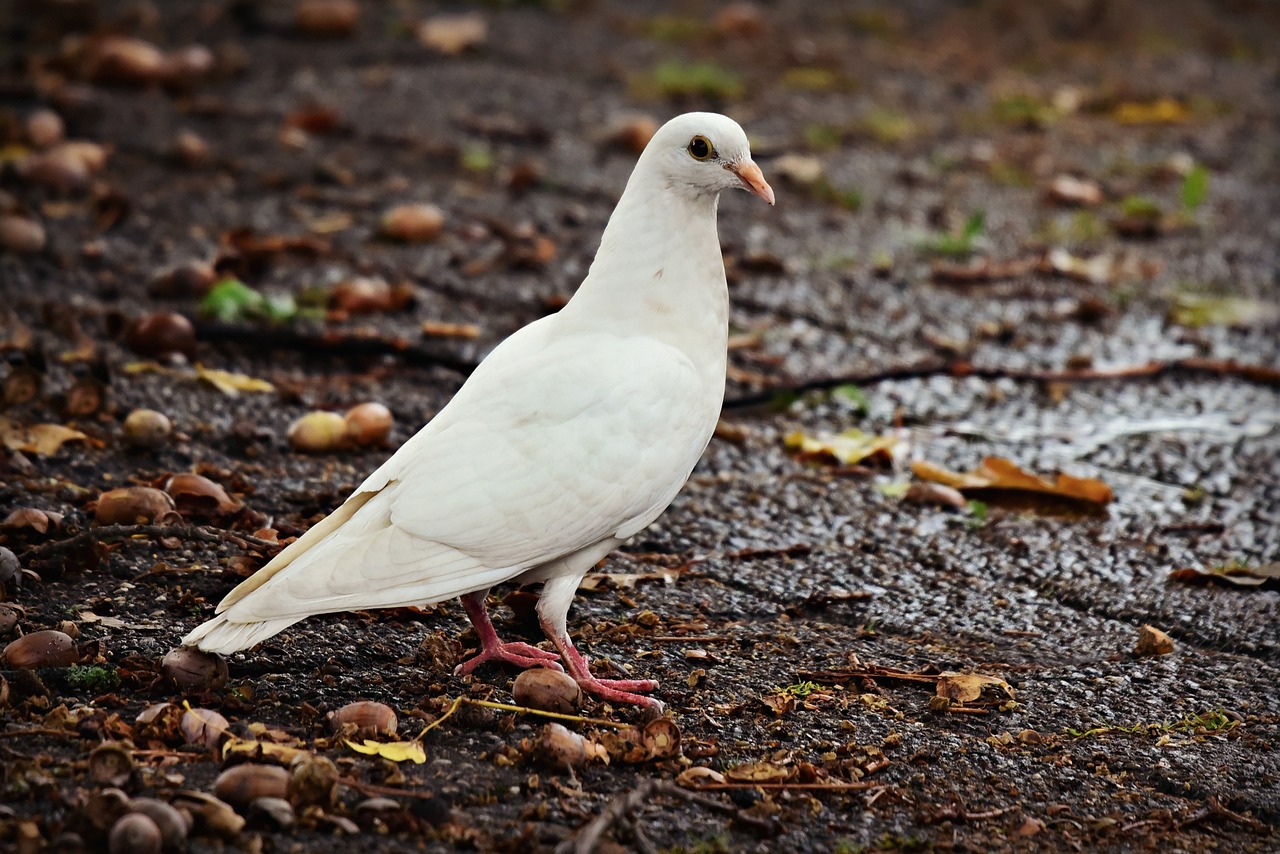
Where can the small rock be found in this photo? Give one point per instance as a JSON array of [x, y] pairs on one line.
[[1152, 641], [243, 784], [414, 223]]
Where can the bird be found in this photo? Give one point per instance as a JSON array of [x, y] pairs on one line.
[[570, 437]]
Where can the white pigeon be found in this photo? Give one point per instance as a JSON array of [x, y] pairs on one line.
[[573, 435]]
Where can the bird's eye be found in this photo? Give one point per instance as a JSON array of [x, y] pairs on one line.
[[700, 148]]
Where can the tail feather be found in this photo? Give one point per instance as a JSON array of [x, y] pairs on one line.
[[222, 635]]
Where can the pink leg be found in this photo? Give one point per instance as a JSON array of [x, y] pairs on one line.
[[492, 649], [613, 690]]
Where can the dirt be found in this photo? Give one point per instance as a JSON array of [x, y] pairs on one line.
[[781, 603]]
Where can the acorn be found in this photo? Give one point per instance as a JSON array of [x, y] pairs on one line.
[[57, 169], [110, 762], [186, 65], [272, 813], [369, 424], [41, 649], [318, 432], [313, 780], [135, 833], [197, 496], [204, 727], [632, 132], [563, 749], [45, 128], [90, 155], [412, 223], [172, 824], [548, 690], [162, 334], [146, 428], [374, 811], [375, 718], [662, 738], [362, 295], [213, 816], [132, 505], [21, 235], [185, 279], [242, 784], [190, 668], [9, 616], [118, 59], [190, 149], [40, 521], [85, 397], [10, 570], [22, 385], [105, 807], [326, 18]]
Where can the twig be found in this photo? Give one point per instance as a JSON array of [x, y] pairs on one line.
[[384, 791], [807, 787], [200, 533], [1261, 374], [692, 639], [39, 730], [620, 810], [507, 707]]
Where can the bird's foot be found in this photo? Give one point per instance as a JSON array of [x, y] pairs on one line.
[[520, 654], [620, 690]]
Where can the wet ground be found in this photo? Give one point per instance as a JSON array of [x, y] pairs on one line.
[[775, 591]]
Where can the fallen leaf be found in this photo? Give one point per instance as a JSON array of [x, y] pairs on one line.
[[453, 34], [756, 772], [980, 270], [997, 475], [43, 439], [699, 776], [1197, 310], [847, 448], [974, 687], [1160, 111], [396, 751], [1152, 641], [1095, 270], [254, 749], [800, 168], [595, 581], [1074, 192], [231, 384], [1266, 577], [441, 329]]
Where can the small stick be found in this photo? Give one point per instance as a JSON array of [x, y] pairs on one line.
[[199, 533], [692, 639]]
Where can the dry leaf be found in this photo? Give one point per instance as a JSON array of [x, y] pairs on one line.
[[453, 34], [1196, 310], [756, 772], [1160, 111], [231, 384], [848, 448], [1152, 641], [246, 747], [43, 439], [699, 776], [396, 751], [623, 580], [997, 475], [974, 687], [1266, 577], [440, 329]]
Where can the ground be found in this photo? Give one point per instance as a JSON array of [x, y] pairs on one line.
[[796, 612]]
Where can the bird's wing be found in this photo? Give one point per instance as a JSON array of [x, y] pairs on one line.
[[549, 447]]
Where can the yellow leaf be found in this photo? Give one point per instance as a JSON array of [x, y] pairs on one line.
[[43, 439], [848, 448], [997, 474], [970, 687], [757, 772], [1160, 111], [282, 752], [232, 384], [396, 751]]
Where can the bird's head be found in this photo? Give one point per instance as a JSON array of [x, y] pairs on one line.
[[704, 153]]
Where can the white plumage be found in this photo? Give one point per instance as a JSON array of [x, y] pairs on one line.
[[573, 435]]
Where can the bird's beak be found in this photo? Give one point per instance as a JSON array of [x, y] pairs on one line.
[[752, 179]]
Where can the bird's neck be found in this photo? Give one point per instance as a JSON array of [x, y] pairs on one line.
[[659, 273]]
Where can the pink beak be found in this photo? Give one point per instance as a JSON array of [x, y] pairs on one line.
[[753, 179]]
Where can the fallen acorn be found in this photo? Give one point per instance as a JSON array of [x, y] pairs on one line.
[[197, 496], [369, 424], [374, 812], [548, 690], [119, 59], [59, 169], [274, 814], [632, 132], [161, 335], [47, 648], [204, 727], [21, 235], [104, 807], [110, 763], [313, 780], [9, 616], [45, 128], [560, 748], [172, 824], [189, 668], [21, 385], [134, 833], [212, 815], [132, 505], [366, 715], [10, 571], [326, 18], [318, 432], [412, 223], [146, 428], [183, 280], [662, 738], [241, 784], [41, 521]]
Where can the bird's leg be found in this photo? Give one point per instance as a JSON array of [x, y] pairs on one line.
[[553, 608], [492, 648]]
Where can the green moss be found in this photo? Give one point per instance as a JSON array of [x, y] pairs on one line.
[[675, 78], [96, 678]]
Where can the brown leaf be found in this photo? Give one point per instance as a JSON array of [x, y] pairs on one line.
[[1152, 641], [847, 448], [43, 439], [453, 34], [974, 687], [757, 772], [997, 475], [1266, 577]]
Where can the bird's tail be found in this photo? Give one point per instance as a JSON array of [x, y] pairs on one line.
[[222, 635]]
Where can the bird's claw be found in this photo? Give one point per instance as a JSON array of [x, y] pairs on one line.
[[620, 690], [520, 654]]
